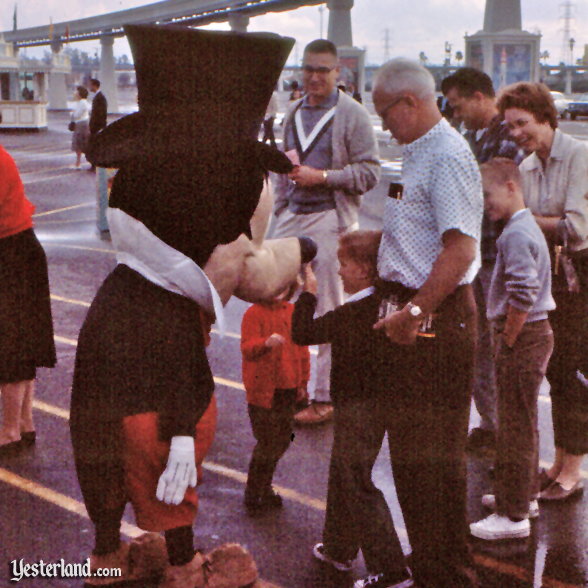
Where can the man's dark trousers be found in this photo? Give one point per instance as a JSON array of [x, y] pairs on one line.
[[427, 422]]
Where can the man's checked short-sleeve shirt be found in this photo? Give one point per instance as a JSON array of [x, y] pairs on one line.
[[442, 190]]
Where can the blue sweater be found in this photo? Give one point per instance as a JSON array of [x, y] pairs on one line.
[[522, 275]]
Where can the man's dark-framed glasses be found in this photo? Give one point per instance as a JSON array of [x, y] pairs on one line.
[[321, 70]]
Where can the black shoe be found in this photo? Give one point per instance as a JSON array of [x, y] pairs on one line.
[[259, 504], [479, 439]]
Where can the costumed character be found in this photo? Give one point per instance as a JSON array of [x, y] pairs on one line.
[[186, 198]]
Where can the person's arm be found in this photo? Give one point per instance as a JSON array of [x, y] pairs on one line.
[[253, 340], [307, 330], [521, 280], [362, 172], [452, 263], [572, 225]]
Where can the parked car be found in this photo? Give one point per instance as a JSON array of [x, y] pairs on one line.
[[578, 106], [561, 104]]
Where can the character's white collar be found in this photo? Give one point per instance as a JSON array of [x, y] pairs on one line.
[[137, 247]]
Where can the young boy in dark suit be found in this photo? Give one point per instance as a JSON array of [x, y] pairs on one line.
[[357, 513]]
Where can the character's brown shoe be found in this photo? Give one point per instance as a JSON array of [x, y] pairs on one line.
[[229, 566], [118, 559], [190, 575], [314, 414], [147, 557]]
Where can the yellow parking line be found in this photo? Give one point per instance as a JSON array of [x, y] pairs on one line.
[[56, 498], [70, 300], [58, 210]]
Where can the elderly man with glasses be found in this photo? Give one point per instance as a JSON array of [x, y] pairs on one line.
[[330, 138], [428, 258]]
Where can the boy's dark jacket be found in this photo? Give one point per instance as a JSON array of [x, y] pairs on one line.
[[360, 355]]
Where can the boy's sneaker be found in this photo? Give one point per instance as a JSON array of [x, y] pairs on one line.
[[319, 552], [383, 581], [496, 527], [489, 501]]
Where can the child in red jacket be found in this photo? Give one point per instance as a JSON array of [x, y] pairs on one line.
[[275, 375]]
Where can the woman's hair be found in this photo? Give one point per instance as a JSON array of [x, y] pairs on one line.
[[82, 92], [532, 97], [361, 247]]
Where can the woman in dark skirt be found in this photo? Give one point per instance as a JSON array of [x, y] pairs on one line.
[[26, 330]]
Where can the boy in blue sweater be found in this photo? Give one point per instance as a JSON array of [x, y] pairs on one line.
[[518, 305]]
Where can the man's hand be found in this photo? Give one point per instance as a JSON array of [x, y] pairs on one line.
[[310, 283], [180, 471], [400, 326], [307, 177], [274, 340]]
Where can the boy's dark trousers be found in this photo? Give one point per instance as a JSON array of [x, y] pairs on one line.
[[519, 373], [357, 513], [272, 428]]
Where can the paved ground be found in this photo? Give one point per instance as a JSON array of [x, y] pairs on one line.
[[40, 505]]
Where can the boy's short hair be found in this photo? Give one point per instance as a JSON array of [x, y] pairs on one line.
[[501, 170], [361, 247]]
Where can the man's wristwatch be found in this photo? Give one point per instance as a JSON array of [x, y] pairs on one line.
[[414, 310], [325, 175]]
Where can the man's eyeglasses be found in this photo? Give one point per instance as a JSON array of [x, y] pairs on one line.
[[390, 105], [322, 70]]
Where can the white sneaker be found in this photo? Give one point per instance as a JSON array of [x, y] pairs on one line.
[[489, 501], [496, 527]]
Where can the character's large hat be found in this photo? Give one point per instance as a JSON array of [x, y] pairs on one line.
[[191, 167]]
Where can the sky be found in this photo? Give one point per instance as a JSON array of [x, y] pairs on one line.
[[410, 27]]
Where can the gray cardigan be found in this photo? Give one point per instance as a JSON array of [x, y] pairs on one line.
[[522, 274], [355, 166]]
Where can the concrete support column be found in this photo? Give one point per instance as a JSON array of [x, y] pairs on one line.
[[339, 31], [238, 22], [107, 75], [568, 77], [57, 81]]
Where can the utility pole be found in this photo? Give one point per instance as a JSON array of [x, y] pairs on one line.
[[321, 10], [567, 46]]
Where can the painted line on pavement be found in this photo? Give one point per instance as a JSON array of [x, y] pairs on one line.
[[56, 498], [67, 503], [58, 210]]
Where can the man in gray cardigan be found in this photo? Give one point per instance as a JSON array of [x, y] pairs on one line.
[[330, 138]]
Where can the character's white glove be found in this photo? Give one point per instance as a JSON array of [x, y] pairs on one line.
[[180, 471]]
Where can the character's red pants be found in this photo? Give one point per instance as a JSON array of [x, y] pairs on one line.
[[145, 459]]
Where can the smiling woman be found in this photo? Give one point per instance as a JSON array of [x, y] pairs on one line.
[[555, 181]]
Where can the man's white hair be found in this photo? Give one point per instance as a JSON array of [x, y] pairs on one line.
[[404, 75]]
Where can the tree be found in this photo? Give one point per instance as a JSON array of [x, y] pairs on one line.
[[545, 56], [458, 57], [423, 58]]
